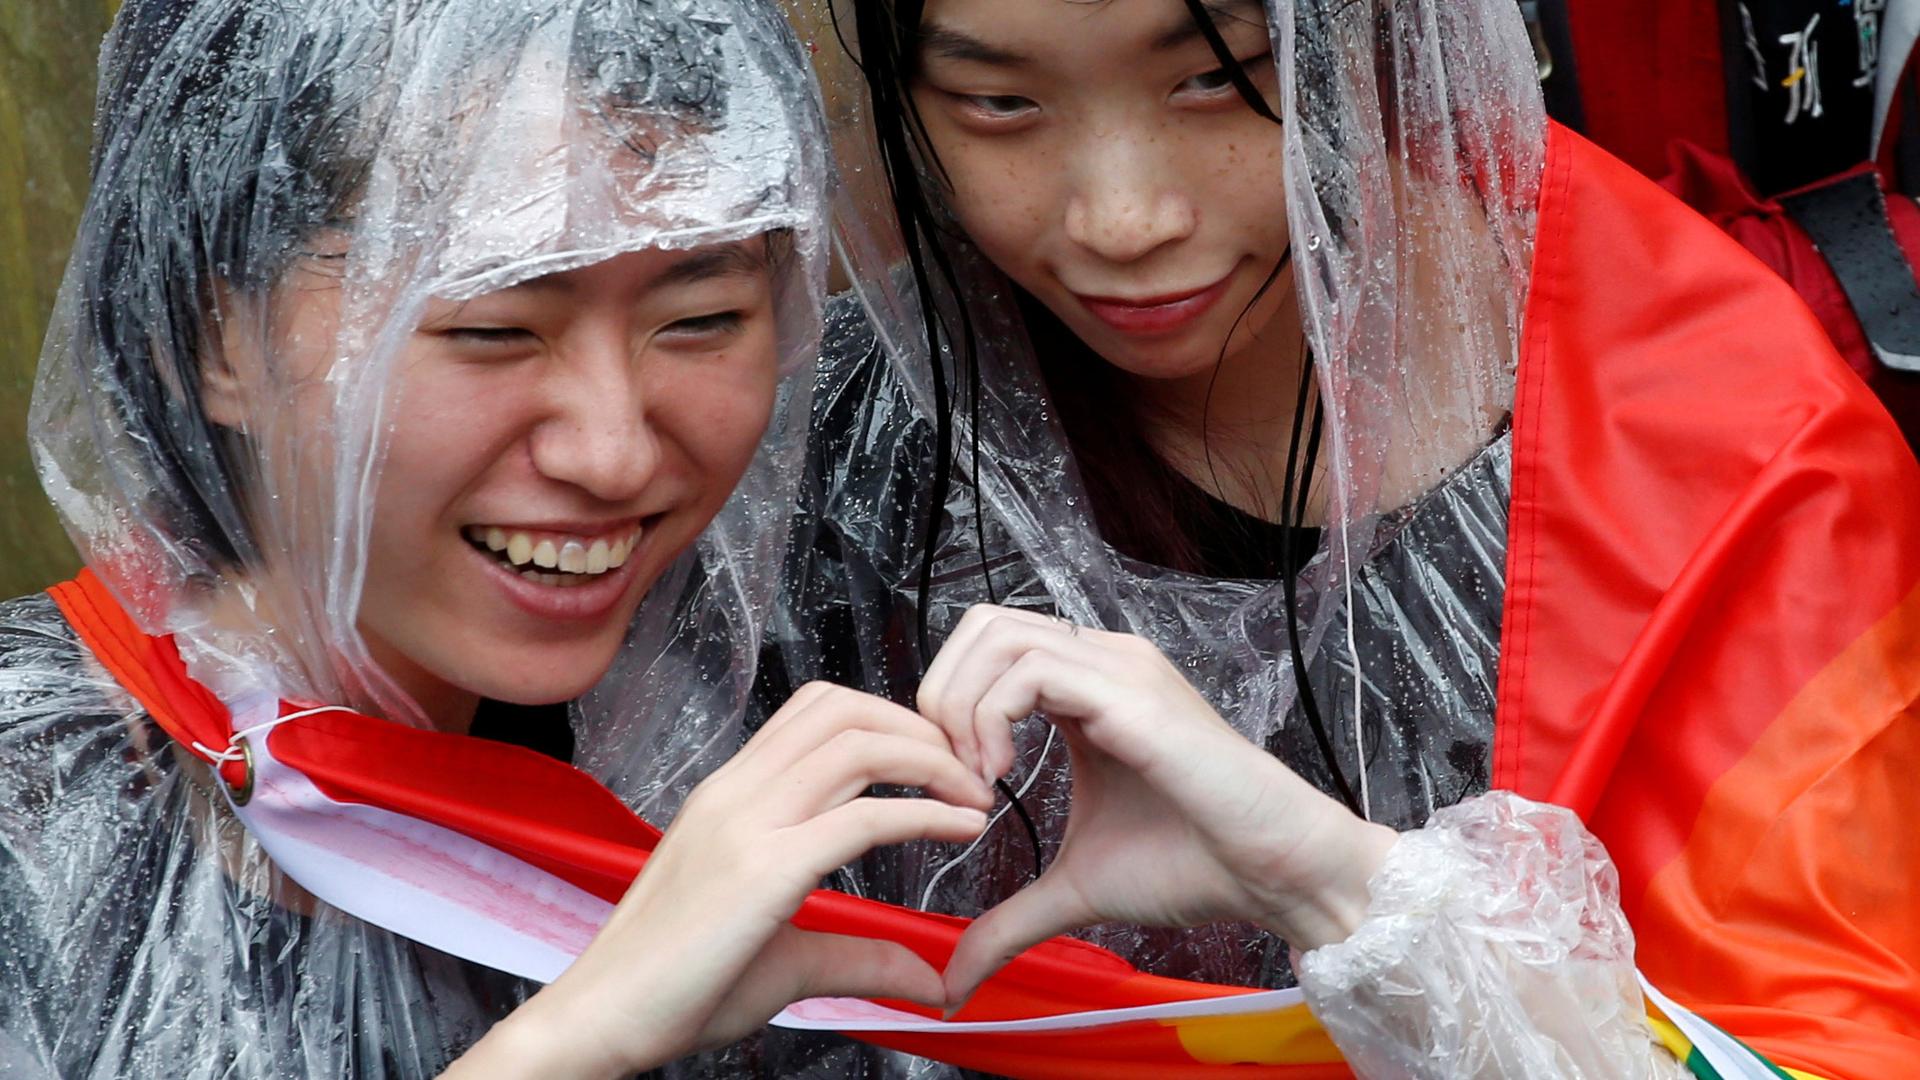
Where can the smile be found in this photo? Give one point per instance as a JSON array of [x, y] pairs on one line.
[[555, 559], [1157, 315]]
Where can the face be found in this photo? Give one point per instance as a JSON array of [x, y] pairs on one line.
[[1100, 156], [558, 444]]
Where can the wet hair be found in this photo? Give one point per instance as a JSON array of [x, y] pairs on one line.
[[1142, 506], [176, 215], [230, 134]]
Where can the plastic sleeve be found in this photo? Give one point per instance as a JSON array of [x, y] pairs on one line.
[[1494, 946]]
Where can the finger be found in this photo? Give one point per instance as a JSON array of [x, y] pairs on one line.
[[1037, 913], [799, 704], [825, 715], [965, 639], [996, 649], [1060, 688], [794, 705], [856, 759], [837, 965], [966, 664], [972, 625], [969, 627], [940, 672], [797, 964], [846, 832]]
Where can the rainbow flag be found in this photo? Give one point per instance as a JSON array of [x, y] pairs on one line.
[[1711, 645]]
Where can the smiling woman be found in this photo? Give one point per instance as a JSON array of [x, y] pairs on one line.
[[430, 376], [1097, 227], [1314, 486], [591, 422]]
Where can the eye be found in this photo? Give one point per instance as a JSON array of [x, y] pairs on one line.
[[1217, 85], [702, 326], [1212, 82], [996, 108], [490, 336]]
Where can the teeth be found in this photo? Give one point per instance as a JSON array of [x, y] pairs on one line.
[[574, 558], [545, 554], [559, 581]]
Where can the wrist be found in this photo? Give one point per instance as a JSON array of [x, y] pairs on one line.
[[1336, 904], [545, 1037]]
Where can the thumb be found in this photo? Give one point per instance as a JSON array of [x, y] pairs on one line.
[[1041, 911], [839, 965]]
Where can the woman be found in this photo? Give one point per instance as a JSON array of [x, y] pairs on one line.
[[1598, 518], [444, 362]]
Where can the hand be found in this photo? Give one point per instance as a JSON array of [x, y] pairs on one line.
[[1177, 819], [700, 951]]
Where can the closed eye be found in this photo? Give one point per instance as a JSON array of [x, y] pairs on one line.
[[719, 322], [489, 335]]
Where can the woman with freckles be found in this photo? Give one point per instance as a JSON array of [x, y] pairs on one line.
[[1379, 543], [431, 377]]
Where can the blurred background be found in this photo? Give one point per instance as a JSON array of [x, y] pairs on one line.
[[48, 52]]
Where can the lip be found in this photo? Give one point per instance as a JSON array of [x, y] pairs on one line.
[[1155, 316], [586, 530], [574, 603]]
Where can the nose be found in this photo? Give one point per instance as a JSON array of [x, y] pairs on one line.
[[1127, 199], [597, 435]]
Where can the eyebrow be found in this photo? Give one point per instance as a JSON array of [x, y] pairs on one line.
[[949, 44], [744, 258]]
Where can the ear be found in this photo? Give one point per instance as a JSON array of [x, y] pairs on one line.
[[229, 364], [222, 394]]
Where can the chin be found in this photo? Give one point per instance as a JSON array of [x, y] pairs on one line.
[[546, 692], [1149, 365], [531, 677]]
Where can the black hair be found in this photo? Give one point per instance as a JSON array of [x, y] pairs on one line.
[[179, 210], [230, 134], [1136, 500]]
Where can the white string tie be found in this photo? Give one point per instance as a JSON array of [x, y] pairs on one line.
[[233, 751]]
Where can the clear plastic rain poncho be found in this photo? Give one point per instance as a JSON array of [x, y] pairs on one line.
[[409, 149], [1414, 143]]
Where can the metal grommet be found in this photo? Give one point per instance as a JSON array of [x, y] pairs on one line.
[[244, 793]]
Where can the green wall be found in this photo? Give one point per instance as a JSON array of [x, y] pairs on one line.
[[48, 51]]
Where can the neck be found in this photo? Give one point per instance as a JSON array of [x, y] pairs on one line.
[[447, 707], [245, 610], [1229, 429]]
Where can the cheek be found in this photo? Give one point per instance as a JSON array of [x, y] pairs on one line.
[[454, 424], [1003, 194], [717, 416], [1004, 217], [1239, 177]]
